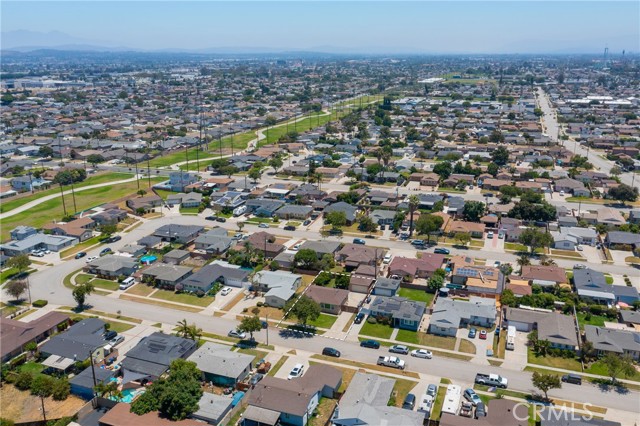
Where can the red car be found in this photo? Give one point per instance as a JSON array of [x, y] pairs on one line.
[[483, 334]]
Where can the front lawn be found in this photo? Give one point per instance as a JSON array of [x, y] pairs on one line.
[[424, 339], [83, 278], [189, 210], [553, 361], [417, 295], [600, 369], [324, 321], [400, 390], [106, 284], [120, 327], [596, 320], [140, 289], [467, 347], [380, 331], [80, 247], [186, 298]]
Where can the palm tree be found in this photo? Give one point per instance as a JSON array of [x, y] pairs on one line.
[[523, 260], [183, 328], [414, 202], [545, 261], [195, 332]]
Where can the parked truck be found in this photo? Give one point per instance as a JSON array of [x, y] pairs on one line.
[[491, 380], [391, 361]]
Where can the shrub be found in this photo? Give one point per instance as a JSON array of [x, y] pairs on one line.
[[76, 319], [60, 389], [40, 303], [245, 310], [19, 360], [372, 320], [23, 380], [63, 326], [200, 293], [255, 310], [259, 304], [121, 278]]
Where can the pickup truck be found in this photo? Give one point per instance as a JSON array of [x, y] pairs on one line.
[[391, 361], [491, 380]]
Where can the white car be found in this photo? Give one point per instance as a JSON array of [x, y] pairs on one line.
[[421, 353], [237, 334], [296, 247], [91, 259], [225, 291], [297, 371], [263, 225], [387, 258]]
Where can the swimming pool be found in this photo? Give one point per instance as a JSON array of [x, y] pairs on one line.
[[149, 259], [128, 395]]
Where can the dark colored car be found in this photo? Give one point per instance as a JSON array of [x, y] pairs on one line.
[[331, 352], [370, 344], [481, 410], [289, 228], [211, 218], [80, 254], [221, 219], [359, 241], [264, 324], [409, 401], [439, 250], [572, 378], [255, 379], [109, 335], [335, 231], [106, 251], [359, 318], [472, 333], [113, 239], [306, 222]]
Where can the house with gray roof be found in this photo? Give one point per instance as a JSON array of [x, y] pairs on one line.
[[559, 330], [176, 256], [183, 234], [82, 384], [37, 242], [190, 199], [112, 266], [220, 365], [625, 294], [279, 286], [321, 247], [165, 275], [214, 241], [78, 341], [349, 210], [610, 340], [263, 207], [223, 272], [291, 211], [151, 357], [405, 313], [212, 408], [592, 285], [450, 315], [365, 402], [630, 318], [382, 217], [620, 240], [385, 286]]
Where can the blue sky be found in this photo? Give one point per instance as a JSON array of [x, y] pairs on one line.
[[359, 26]]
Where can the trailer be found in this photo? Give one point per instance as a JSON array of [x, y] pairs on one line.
[[511, 338], [451, 401]]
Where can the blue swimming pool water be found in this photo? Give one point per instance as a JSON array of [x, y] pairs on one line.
[[128, 395], [148, 259]]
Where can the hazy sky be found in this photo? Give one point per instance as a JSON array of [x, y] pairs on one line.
[[366, 26]]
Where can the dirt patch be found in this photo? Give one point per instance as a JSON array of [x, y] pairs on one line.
[[21, 406]]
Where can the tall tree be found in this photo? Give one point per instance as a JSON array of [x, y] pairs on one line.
[[473, 210], [305, 309], [617, 365], [250, 325], [500, 156], [414, 202], [80, 293], [534, 239], [428, 224], [16, 288], [623, 192], [546, 382]]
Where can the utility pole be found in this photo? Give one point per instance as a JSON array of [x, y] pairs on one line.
[[266, 320], [137, 175], [73, 196], [93, 369], [148, 167], [64, 206], [44, 414]]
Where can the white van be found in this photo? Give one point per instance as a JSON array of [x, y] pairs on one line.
[[127, 282]]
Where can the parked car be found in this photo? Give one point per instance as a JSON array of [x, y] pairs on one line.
[[370, 344], [335, 231], [225, 291], [113, 239], [106, 251], [211, 218], [306, 222], [289, 228], [296, 247], [440, 250], [572, 378], [221, 219], [483, 334], [263, 225], [421, 353], [481, 410], [387, 258], [237, 334], [399, 349], [297, 371], [359, 318], [91, 259], [418, 243], [490, 235], [359, 241], [471, 396], [409, 401], [256, 378], [109, 335], [472, 333], [117, 340], [496, 264], [432, 390], [466, 410], [331, 352], [80, 254], [579, 266], [579, 248]]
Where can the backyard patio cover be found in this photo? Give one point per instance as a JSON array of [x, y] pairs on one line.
[[58, 362], [261, 416], [132, 376]]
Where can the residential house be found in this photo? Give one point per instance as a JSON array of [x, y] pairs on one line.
[[409, 269], [572, 186], [278, 286], [291, 211], [217, 271], [365, 402], [610, 340], [121, 415], [214, 241], [544, 275], [404, 313], [21, 232], [132, 250], [83, 384], [263, 207], [150, 241], [500, 412], [627, 295], [176, 256], [183, 234], [475, 230], [349, 210], [619, 240], [77, 343], [146, 203], [295, 400], [634, 216], [386, 286], [449, 315], [109, 216], [610, 217], [165, 275], [362, 279], [265, 243], [427, 201], [558, 329], [151, 357], [29, 183], [188, 200], [14, 335], [592, 285], [331, 300], [481, 280], [321, 247], [71, 229], [383, 217], [354, 255], [220, 365], [569, 238], [112, 266], [37, 242], [178, 181]]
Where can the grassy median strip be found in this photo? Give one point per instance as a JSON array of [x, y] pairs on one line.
[[277, 366], [368, 366]]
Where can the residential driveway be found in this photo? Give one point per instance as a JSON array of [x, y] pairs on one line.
[[301, 357], [222, 301], [336, 329], [619, 256], [132, 337], [517, 358], [494, 244], [591, 254]]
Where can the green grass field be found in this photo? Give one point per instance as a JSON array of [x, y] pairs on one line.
[[53, 209], [417, 295], [189, 299], [106, 284], [424, 339], [92, 180], [79, 247], [324, 321], [376, 330]]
